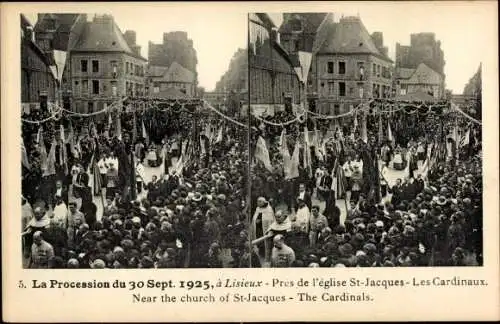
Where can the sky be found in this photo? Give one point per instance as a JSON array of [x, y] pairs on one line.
[[216, 37], [218, 31], [459, 26]]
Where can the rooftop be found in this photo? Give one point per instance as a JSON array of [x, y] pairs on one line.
[[174, 73], [103, 35], [350, 36], [310, 21]]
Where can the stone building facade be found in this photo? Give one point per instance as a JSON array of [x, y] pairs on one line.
[[56, 34], [176, 47], [273, 84], [160, 79], [103, 66], [423, 48], [351, 67]]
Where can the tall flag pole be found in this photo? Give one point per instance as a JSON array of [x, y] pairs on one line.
[[364, 130], [134, 128]]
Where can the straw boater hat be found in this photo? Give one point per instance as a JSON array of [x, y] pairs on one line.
[[196, 197], [441, 201]]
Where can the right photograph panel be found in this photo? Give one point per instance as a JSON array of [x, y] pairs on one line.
[[364, 151]]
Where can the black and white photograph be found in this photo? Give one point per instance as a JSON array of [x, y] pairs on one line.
[[134, 160], [366, 148], [239, 144]]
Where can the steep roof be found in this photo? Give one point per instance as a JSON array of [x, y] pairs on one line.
[[350, 36], [404, 73], [325, 30], [25, 24], [178, 73], [102, 35], [425, 73], [64, 22], [311, 22]]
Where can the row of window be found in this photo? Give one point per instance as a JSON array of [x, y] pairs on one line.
[[84, 66], [130, 68], [377, 69], [331, 88], [82, 88], [134, 69], [134, 89], [330, 67], [379, 91]]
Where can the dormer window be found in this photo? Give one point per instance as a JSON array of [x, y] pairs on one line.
[[51, 24]]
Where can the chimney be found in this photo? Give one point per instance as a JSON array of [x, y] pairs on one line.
[[286, 17], [130, 37], [378, 39], [136, 49]]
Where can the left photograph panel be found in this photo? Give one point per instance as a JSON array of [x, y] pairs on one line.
[[134, 140]]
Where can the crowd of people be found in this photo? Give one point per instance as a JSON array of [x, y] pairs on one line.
[[431, 216], [206, 206], [191, 214]]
